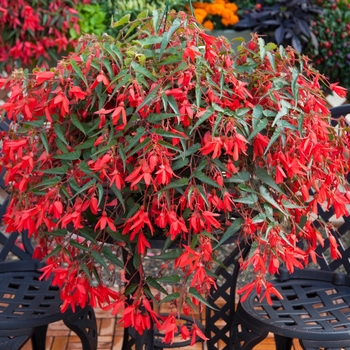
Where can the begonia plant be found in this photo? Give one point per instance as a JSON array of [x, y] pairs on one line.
[[169, 133]]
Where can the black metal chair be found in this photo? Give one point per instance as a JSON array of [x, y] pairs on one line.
[[27, 304], [218, 319], [316, 301]]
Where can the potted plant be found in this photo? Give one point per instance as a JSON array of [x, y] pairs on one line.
[[332, 28], [167, 133], [284, 22], [35, 34], [219, 17]]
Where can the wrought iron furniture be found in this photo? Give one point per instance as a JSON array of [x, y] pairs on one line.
[[27, 304], [218, 319], [316, 301]]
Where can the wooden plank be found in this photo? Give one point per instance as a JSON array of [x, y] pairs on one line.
[[59, 343]]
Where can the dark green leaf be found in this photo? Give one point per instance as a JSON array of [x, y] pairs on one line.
[[88, 233], [207, 114], [171, 255], [151, 95], [61, 170], [263, 175], [153, 283], [204, 178], [155, 118], [197, 296], [76, 122], [142, 70], [169, 279], [98, 258], [268, 197], [60, 134], [235, 226], [165, 133], [44, 141], [111, 256], [68, 156], [177, 183], [56, 233], [139, 147], [170, 297], [249, 199], [241, 177], [76, 68]]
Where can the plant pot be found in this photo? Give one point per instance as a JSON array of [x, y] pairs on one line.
[[234, 36]]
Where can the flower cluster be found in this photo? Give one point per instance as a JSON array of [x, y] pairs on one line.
[[332, 28], [34, 33], [170, 134], [216, 15]]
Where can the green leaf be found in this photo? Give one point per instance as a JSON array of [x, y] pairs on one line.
[[48, 182], [267, 196], [263, 175], [170, 297], [168, 145], [89, 143], [88, 233], [151, 95], [207, 114], [261, 217], [139, 147], [76, 122], [68, 156], [235, 226], [78, 245], [290, 205], [276, 134], [165, 133], [61, 170], [85, 168], [169, 279], [272, 60], [204, 178], [173, 104], [60, 134], [142, 14], [44, 141], [180, 163], [249, 199], [79, 72], [54, 252], [240, 112], [109, 255], [241, 177], [197, 296], [124, 20], [283, 111], [262, 49], [142, 70], [153, 283], [130, 289], [261, 125], [56, 233], [117, 57], [98, 258], [257, 111], [177, 183], [198, 95], [155, 118], [167, 36], [171, 255]]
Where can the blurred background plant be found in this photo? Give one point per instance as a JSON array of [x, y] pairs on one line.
[[286, 22], [332, 28], [218, 14], [116, 9], [34, 32], [92, 20]]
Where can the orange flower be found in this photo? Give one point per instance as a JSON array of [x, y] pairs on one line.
[[208, 25]]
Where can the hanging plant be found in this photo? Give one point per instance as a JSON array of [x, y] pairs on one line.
[[168, 133]]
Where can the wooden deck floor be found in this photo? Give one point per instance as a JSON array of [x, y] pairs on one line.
[[59, 337]]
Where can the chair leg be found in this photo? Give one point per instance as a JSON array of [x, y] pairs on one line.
[[245, 336], [16, 341], [39, 338], [83, 323]]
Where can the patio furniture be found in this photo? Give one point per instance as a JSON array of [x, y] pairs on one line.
[[218, 318], [316, 300], [27, 304]]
